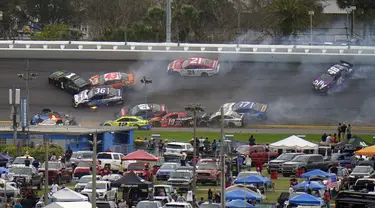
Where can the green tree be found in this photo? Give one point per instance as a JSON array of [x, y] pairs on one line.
[[57, 32], [156, 19], [286, 17], [188, 17]]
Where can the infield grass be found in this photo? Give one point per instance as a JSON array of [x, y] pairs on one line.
[[261, 138]]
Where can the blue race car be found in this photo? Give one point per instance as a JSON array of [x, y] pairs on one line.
[[101, 96], [47, 115], [250, 110]]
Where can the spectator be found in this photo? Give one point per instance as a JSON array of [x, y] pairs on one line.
[[339, 131], [4, 175], [218, 146], [248, 162], [240, 161], [18, 204], [324, 137], [68, 154], [209, 195], [345, 171], [122, 204], [334, 170], [174, 140], [201, 201], [293, 181], [327, 198], [189, 197], [252, 140], [349, 132], [161, 147], [217, 197], [27, 161], [54, 187], [181, 198], [53, 157], [328, 139], [214, 145], [291, 190], [334, 138], [343, 130]]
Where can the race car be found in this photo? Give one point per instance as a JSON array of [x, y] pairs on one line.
[[117, 80], [68, 81], [47, 117], [174, 119], [132, 121], [146, 111], [101, 96], [333, 77], [250, 110], [194, 67], [231, 119]]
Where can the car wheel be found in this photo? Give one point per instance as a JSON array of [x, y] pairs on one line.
[[204, 74], [157, 124], [107, 125]]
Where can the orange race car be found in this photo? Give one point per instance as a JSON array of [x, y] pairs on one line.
[[114, 79]]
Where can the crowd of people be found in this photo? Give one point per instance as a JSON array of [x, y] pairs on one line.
[[344, 132]]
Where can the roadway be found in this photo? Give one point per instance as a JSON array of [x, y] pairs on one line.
[[285, 87]]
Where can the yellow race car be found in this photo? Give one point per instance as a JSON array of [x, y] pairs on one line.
[[131, 121]]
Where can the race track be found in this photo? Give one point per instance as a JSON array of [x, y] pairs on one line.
[[285, 87]]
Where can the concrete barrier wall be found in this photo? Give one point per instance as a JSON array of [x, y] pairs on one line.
[[170, 51]]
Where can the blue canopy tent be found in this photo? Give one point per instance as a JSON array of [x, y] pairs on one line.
[[238, 204], [252, 179], [315, 172], [314, 185], [305, 199], [241, 195], [2, 170], [4, 157]]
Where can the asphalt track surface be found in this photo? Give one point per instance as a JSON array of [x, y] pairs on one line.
[[285, 87]]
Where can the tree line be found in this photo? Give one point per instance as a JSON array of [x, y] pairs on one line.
[[211, 21]]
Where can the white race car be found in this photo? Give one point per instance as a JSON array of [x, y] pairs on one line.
[[231, 118], [194, 67]]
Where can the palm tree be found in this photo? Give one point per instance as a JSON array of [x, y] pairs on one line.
[[288, 16], [188, 21]]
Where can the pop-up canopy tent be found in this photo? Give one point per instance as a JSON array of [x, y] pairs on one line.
[[68, 195], [294, 143], [252, 179], [131, 180], [316, 172], [242, 195], [69, 205], [140, 155], [369, 151], [313, 185], [247, 188], [238, 204], [305, 199]]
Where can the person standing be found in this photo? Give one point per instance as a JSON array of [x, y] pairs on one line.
[[324, 137], [18, 204], [328, 139], [53, 157], [189, 197], [248, 162], [217, 151], [349, 132], [54, 187], [209, 195], [68, 154], [343, 130], [339, 131], [252, 140], [240, 161], [327, 198]]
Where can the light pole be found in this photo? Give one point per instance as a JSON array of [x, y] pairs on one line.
[[94, 164], [27, 77], [46, 144], [194, 108], [353, 8], [146, 81], [222, 157], [169, 21], [311, 14]]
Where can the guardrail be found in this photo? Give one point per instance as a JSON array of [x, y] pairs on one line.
[[168, 51]]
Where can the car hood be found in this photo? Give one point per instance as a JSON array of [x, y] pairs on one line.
[[359, 174], [20, 175], [80, 184], [165, 170], [178, 180], [320, 83], [176, 65], [78, 98], [49, 170], [278, 161], [293, 163], [206, 171]]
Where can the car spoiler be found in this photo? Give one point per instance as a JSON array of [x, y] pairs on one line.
[[344, 62]]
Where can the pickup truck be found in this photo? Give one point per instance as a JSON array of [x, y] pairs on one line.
[[57, 172], [306, 162], [26, 176], [181, 180], [104, 191], [276, 164], [257, 153]]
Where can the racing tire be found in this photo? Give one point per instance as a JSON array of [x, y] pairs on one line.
[[204, 74], [106, 125], [157, 124]]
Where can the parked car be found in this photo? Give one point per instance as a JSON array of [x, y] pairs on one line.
[[360, 172], [257, 153], [20, 161], [181, 180], [27, 176], [79, 156], [180, 147], [149, 204], [210, 205], [276, 164], [83, 168], [163, 192], [165, 171], [104, 191], [306, 162], [111, 177], [106, 204], [139, 169], [57, 172], [110, 159], [178, 205], [83, 181], [208, 173]]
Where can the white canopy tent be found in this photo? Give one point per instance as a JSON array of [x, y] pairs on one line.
[[69, 205], [294, 143], [68, 195]]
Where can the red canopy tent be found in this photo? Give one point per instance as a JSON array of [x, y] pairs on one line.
[[140, 155]]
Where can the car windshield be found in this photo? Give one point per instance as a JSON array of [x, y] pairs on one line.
[[174, 146], [185, 64], [243, 149], [327, 77], [85, 179], [175, 206], [185, 175], [80, 82], [209, 206], [361, 169], [51, 165], [300, 158], [98, 185], [84, 164], [21, 171], [19, 160], [247, 173], [168, 166], [147, 204], [87, 155], [286, 157], [104, 156], [207, 167], [208, 62], [136, 167], [104, 205]]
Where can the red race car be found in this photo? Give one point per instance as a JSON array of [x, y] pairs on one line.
[[117, 80], [194, 67], [175, 119]]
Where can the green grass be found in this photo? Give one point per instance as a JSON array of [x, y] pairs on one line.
[[261, 138]]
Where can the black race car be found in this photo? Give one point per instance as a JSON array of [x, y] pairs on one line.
[[68, 81], [334, 76]]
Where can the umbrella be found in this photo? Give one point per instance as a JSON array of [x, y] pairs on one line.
[[238, 204], [242, 195], [251, 179], [305, 199], [314, 185], [315, 172]]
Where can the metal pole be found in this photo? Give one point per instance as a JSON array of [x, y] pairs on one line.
[[169, 21], [311, 30], [222, 156], [93, 196], [146, 100], [353, 25], [5, 192], [347, 25], [195, 158], [46, 172], [27, 100], [15, 125]]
